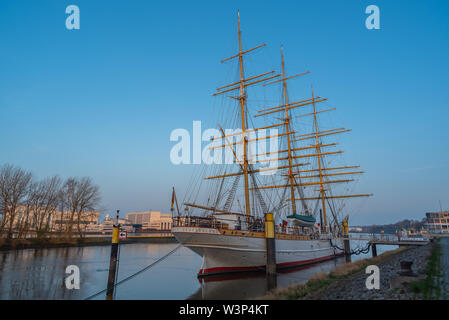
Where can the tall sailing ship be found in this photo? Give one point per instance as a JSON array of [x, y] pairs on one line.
[[228, 229]]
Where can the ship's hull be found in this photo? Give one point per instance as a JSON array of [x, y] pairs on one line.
[[229, 253]]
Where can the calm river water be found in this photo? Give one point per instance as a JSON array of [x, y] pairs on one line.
[[40, 274]]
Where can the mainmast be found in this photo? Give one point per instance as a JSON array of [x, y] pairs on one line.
[[287, 128]]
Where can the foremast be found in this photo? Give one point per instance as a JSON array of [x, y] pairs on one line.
[[241, 86], [243, 117]]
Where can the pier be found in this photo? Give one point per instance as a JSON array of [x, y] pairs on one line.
[[389, 239]]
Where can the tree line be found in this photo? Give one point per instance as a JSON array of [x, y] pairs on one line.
[[37, 206]]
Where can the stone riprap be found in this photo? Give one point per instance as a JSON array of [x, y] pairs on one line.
[[392, 285]]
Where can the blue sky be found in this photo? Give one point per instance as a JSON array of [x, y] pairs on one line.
[[101, 101]]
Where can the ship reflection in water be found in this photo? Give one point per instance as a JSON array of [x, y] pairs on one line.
[[256, 284], [40, 274]]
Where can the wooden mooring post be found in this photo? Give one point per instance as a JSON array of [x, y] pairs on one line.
[[374, 249], [113, 260], [271, 252], [347, 245]]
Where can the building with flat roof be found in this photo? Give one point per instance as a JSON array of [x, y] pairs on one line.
[[151, 220], [437, 222]]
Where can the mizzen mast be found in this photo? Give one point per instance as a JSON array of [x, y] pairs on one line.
[[322, 171]]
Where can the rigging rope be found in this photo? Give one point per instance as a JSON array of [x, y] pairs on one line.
[[137, 273]]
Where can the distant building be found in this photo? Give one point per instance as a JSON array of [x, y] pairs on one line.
[[106, 226], [151, 220], [437, 222], [61, 219], [51, 220]]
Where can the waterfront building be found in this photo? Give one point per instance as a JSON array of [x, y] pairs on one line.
[[29, 220], [437, 222], [151, 220]]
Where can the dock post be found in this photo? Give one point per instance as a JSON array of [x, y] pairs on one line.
[[346, 243], [321, 221], [271, 251], [374, 249], [113, 260]]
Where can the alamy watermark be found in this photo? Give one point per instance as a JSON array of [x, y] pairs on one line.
[[73, 20], [73, 280], [373, 280], [373, 20], [263, 147]]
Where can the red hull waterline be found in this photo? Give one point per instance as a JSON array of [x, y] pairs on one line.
[[227, 270]]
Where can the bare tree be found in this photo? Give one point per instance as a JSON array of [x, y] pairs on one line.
[[14, 183], [40, 205], [80, 198]]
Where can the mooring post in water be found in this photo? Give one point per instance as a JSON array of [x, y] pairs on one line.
[[113, 260], [346, 240], [374, 249], [271, 251], [321, 221]]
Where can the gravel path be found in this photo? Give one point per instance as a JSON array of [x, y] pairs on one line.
[[354, 286]]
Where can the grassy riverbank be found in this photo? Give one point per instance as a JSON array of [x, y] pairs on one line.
[[322, 281]]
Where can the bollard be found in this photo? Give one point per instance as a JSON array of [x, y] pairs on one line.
[[113, 260], [346, 243]]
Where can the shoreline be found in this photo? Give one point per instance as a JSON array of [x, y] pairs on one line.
[[24, 244]]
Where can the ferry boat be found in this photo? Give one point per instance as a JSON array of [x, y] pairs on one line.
[[228, 230]]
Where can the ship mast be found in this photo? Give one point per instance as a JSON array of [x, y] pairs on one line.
[[243, 114], [318, 145], [287, 128], [285, 108], [241, 86], [322, 171], [318, 151]]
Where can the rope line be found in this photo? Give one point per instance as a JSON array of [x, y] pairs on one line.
[[137, 273]]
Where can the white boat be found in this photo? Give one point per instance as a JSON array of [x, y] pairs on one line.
[[231, 237]]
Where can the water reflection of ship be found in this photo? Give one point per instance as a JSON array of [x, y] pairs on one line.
[[254, 284]]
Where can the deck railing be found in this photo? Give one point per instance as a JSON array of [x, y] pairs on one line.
[[254, 225]]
